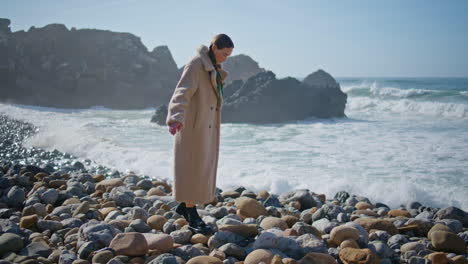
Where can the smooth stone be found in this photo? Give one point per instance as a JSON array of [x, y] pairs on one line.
[[164, 259], [102, 257], [455, 225], [204, 260], [219, 212], [8, 226], [352, 255], [379, 224], [319, 258], [29, 221], [303, 228], [10, 242], [324, 225], [83, 208], [15, 196], [222, 237], [53, 226], [363, 206], [156, 191], [108, 184], [366, 212], [290, 220], [36, 249], [98, 232], [266, 240], [448, 241], [187, 252], [86, 249], [453, 213], [412, 246], [57, 183], [50, 196], [438, 258], [379, 235], [381, 249], [99, 177], [106, 210], [233, 250], [272, 222], [459, 260], [181, 236], [341, 233], [249, 207], [67, 257], [199, 238], [397, 213], [40, 209], [129, 244], [140, 226], [230, 194], [438, 227], [259, 255], [349, 243], [122, 196], [304, 197], [311, 244], [138, 213], [245, 230], [161, 242], [145, 184]]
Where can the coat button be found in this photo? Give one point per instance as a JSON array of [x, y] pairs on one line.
[[211, 108], [209, 126], [217, 109]]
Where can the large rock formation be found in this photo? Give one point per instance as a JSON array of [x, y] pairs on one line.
[[57, 67], [265, 99], [241, 67], [54, 66], [7, 61]]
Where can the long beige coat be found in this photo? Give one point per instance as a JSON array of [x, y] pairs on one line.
[[196, 104]]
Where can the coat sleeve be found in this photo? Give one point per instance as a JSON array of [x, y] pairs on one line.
[[185, 89]]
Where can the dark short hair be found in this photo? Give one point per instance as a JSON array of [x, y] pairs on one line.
[[222, 41]]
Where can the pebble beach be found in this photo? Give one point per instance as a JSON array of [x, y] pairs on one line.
[[57, 208]]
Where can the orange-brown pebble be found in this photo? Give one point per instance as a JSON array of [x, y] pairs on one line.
[[438, 258], [263, 194], [397, 212], [295, 204], [349, 243], [181, 221], [290, 232], [290, 220], [49, 208], [363, 206], [322, 197], [165, 185]]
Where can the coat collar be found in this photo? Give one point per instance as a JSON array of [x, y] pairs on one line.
[[207, 64]]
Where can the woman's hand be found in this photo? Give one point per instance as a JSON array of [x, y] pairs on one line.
[[175, 127]]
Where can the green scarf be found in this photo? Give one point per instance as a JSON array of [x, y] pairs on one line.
[[219, 79]]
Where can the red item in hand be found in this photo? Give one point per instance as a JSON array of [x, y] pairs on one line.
[[174, 127]]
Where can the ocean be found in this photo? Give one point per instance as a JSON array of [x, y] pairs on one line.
[[403, 140]]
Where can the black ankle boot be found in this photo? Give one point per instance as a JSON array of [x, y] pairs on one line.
[[182, 210], [196, 224]]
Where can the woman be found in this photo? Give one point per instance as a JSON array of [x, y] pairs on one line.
[[194, 116]]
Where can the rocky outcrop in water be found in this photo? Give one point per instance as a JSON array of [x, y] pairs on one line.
[[58, 67], [241, 67], [79, 68], [265, 99]]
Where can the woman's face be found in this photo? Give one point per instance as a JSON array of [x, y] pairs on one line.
[[221, 54]]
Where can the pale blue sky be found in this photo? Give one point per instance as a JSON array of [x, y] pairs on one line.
[[365, 38]]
